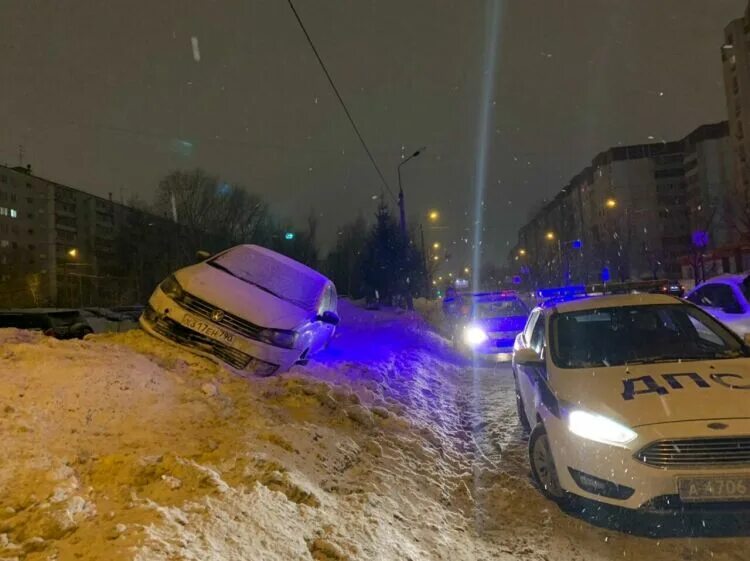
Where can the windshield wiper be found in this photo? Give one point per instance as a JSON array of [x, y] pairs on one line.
[[263, 288], [665, 358]]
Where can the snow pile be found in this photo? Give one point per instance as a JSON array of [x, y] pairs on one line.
[[121, 447]]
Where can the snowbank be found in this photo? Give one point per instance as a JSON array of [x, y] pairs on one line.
[[121, 447]]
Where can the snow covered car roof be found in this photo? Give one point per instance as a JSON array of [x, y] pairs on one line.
[[613, 301], [297, 283], [727, 278]]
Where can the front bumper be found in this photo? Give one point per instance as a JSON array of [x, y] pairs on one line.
[[634, 484], [166, 320], [492, 350]]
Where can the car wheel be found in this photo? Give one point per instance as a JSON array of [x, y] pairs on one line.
[[543, 467], [85, 331]]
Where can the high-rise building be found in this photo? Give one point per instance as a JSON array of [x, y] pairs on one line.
[[735, 55]]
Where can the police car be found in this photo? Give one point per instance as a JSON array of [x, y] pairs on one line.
[[490, 324], [640, 401]]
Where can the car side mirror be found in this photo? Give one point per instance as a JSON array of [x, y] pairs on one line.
[[527, 356], [329, 317], [202, 255]]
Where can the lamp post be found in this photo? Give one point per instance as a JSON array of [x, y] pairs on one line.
[[401, 203], [564, 268], [402, 220]]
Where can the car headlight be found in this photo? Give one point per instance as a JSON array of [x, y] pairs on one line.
[[599, 428], [171, 288], [474, 336], [278, 337]]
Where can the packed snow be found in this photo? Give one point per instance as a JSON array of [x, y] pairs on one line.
[[387, 446]]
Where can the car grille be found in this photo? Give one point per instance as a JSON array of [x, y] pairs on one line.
[[175, 332], [230, 321], [697, 452]]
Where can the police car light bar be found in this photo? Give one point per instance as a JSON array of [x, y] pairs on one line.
[[576, 290]]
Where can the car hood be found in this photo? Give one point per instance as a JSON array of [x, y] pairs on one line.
[[513, 324], [659, 393], [240, 298]]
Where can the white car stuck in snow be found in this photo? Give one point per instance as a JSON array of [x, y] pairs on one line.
[[249, 307], [640, 401]]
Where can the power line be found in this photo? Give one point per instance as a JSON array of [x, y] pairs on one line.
[[341, 100]]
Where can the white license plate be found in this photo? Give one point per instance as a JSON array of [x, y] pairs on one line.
[[206, 329], [714, 488]]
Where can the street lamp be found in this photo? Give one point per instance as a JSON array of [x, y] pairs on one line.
[[466, 270], [435, 257], [73, 252], [401, 204], [436, 245], [521, 252], [610, 203], [433, 215], [550, 236]]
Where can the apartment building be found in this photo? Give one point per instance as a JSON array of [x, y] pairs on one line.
[[61, 246], [635, 213]]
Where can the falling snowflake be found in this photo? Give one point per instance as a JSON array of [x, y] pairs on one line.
[[196, 50]]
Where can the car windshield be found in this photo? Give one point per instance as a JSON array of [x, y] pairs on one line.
[[499, 309], [638, 335], [274, 274]]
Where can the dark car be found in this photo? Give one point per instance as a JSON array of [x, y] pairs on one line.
[[61, 324]]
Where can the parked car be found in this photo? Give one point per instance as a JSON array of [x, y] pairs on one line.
[[637, 401], [727, 298], [61, 324], [490, 325], [105, 320], [133, 312], [250, 308]]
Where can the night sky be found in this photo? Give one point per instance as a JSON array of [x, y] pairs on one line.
[[109, 97]]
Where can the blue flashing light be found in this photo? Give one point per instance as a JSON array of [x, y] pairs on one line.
[[289, 236], [700, 238], [516, 280], [563, 291], [605, 274], [577, 244]]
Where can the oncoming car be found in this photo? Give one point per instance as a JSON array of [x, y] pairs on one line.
[[640, 401], [248, 307], [492, 321]]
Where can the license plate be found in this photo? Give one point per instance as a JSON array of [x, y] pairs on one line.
[[714, 488], [206, 329]]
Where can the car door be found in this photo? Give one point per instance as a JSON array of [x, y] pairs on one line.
[[331, 306], [536, 374], [526, 374], [719, 300], [323, 331]]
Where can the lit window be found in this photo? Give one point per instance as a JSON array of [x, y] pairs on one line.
[[4, 243], [3, 211], [13, 213]]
